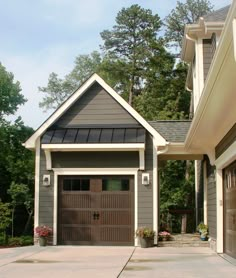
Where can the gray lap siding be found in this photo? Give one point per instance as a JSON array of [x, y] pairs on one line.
[[95, 160], [46, 194], [211, 200], [95, 107], [145, 193]]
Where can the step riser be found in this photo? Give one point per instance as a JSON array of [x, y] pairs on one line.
[[184, 240]]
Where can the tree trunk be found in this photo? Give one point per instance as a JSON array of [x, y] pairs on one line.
[[12, 222], [131, 91], [28, 223]]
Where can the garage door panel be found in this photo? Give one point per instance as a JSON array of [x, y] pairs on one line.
[[117, 234], [76, 201], [74, 234], [75, 216], [123, 200], [102, 215], [116, 218]]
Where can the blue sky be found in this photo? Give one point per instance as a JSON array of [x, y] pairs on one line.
[[44, 36]]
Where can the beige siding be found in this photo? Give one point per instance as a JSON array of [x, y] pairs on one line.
[[95, 107]]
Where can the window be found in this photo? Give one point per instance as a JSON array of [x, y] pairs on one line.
[[115, 185], [76, 184]]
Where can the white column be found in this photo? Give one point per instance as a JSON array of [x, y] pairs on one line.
[[219, 209], [205, 191], [36, 191], [155, 191]]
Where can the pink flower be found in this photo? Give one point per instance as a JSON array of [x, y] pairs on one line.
[[43, 231]]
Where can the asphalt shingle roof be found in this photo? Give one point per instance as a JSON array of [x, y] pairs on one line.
[[217, 16], [172, 131]]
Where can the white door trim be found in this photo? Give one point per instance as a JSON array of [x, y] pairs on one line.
[[95, 171]]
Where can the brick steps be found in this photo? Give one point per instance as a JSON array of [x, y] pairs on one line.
[[184, 240]]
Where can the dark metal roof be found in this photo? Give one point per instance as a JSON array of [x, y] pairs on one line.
[[93, 135], [172, 131], [217, 16]]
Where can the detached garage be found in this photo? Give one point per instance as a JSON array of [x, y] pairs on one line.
[[96, 178]]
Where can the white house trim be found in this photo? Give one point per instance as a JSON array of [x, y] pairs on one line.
[[93, 147], [48, 159], [91, 172], [141, 159], [36, 190], [30, 143], [227, 157], [155, 192], [219, 211]]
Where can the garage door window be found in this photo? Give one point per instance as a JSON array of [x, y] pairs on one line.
[[76, 185], [115, 185]]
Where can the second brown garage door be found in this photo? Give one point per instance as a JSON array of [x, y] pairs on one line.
[[96, 210]]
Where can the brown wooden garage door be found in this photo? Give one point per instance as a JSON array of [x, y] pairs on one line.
[[96, 210], [230, 210]]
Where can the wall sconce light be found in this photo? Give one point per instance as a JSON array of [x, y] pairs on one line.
[[46, 180], [145, 179]]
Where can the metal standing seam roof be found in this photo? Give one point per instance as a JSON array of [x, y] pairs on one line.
[[172, 131], [93, 135]]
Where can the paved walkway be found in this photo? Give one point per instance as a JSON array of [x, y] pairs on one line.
[[109, 262]]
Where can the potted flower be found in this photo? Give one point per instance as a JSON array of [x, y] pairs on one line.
[[146, 236], [43, 232], [204, 233], [164, 236], [203, 230]]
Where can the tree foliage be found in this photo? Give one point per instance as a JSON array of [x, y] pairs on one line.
[[10, 97], [130, 45], [184, 13], [59, 89]]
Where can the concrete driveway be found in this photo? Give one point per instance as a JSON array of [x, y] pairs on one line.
[[84, 261]]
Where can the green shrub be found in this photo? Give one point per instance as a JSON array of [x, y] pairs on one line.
[[20, 241], [27, 240]]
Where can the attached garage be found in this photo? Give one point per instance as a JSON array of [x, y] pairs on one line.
[[96, 210], [96, 174]]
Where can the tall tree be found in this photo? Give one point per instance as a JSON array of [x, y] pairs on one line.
[[130, 45], [10, 97], [58, 89], [184, 13]]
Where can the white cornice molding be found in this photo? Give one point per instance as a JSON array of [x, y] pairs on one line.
[[93, 147]]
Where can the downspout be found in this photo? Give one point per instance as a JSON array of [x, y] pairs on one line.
[[156, 186]]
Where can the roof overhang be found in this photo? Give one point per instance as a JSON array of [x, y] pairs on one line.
[[192, 32], [177, 151], [215, 113], [31, 142]]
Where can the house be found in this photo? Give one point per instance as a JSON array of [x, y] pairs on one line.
[[96, 177], [209, 47]]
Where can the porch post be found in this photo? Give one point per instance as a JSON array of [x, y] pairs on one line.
[[155, 191], [219, 208], [37, 174]]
